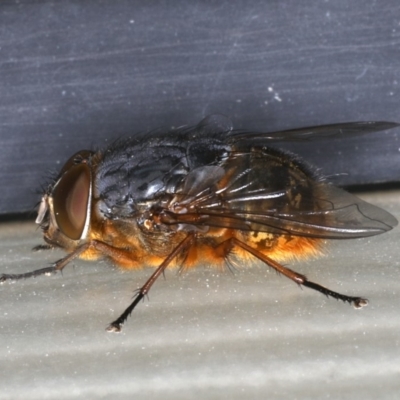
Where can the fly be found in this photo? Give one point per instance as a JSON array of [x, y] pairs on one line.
[[202, 195]]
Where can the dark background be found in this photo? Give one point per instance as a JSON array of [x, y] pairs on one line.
[[76, 73]]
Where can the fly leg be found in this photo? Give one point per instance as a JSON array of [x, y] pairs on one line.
[[358, 302], [116, 325], [59, 265], [43, 247], [55, 267]]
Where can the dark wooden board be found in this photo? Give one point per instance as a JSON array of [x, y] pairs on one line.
[[76, 73]]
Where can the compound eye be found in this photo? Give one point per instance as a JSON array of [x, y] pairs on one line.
[[78, 158], [70, 200]]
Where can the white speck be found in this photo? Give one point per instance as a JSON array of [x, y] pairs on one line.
[[63, 93], [363, 72], [328, 14], [270, 89], [276, 97], [238, 101], [131, 21], [266, 102]]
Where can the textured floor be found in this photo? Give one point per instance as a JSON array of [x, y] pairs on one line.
[[205, 334]]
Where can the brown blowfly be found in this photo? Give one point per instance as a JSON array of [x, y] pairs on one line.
[[202, 195]]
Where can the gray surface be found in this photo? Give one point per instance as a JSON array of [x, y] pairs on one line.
[[74, 73], [203, 334]]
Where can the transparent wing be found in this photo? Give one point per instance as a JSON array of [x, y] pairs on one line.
[[267, 190], [317, 132]]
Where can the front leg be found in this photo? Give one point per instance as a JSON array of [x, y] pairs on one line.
[[55, 267]]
